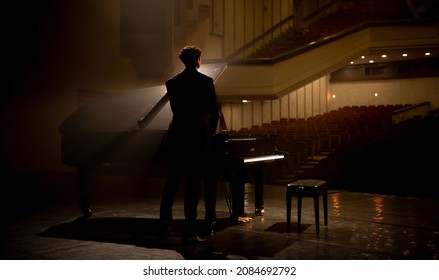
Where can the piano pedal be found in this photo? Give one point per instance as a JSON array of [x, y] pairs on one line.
[[260, 211]]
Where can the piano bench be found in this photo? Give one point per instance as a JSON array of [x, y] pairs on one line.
[[307, 188]]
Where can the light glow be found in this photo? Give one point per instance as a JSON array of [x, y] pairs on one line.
[[263, 158]]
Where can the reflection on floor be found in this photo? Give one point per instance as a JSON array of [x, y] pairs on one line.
[[124, 226]]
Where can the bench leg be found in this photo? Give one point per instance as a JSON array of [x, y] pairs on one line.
[[316, 212], [299, 212], [288, 211], [325, 206]]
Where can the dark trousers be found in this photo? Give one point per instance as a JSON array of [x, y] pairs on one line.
[[210, 183], [191, 198]]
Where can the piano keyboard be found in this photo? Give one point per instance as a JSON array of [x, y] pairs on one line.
[[263, 158]]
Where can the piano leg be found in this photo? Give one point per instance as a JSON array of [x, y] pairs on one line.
[[83, 198], [238, 194], [259, 192], [238, 191]]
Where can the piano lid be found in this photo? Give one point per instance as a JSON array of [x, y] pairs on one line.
[[113, 112], [130, 110]]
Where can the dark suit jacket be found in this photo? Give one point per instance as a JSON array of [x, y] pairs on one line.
[[195, 116]]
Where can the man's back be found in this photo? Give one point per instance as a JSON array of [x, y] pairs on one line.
[[192, 96]]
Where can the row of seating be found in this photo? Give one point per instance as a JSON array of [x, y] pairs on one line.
[[322, 134], [397, 160], [360, 148]]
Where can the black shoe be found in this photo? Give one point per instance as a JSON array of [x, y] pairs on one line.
[[194, 239]]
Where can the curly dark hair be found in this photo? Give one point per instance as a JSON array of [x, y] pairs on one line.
[[189, 55]]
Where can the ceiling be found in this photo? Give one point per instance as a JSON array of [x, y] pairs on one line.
[[400, 54]]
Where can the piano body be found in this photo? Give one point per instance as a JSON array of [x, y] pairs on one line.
[[131, 126], [242, 157], [107, 131]]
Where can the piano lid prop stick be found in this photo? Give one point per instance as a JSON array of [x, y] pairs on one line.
[[144, 120]]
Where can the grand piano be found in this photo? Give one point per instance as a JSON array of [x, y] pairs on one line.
[[130, 128]]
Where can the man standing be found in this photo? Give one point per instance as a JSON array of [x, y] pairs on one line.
[[195, 116]]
